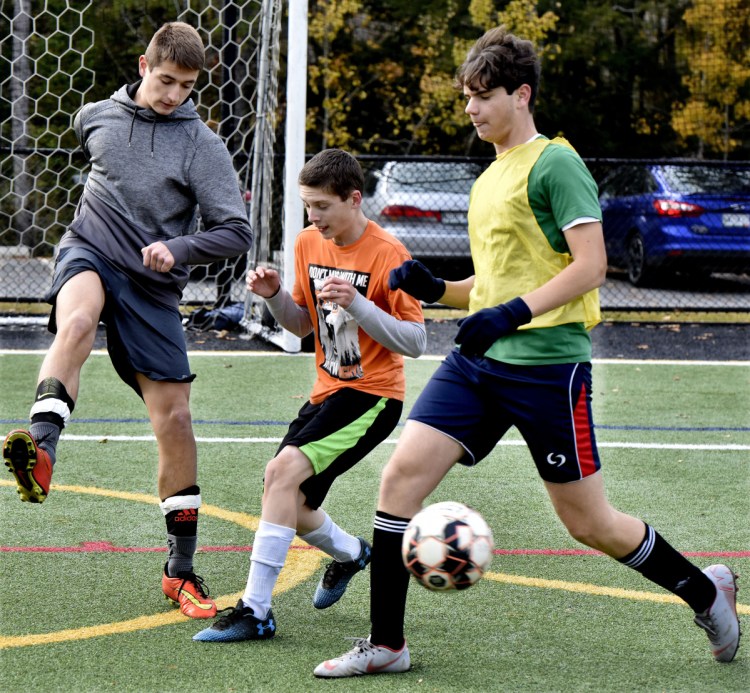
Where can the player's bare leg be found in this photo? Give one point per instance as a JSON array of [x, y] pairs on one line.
[[168, 407], [78, 307], [584, 510], [30, 454], [712, 593], [422, 458]]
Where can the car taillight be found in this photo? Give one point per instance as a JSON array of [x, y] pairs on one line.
[[673, 208], [401, 211]]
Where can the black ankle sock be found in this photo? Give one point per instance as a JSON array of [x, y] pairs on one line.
[[659, 562], [389, 581]]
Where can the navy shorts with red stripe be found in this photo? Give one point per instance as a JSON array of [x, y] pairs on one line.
[[475, 401]]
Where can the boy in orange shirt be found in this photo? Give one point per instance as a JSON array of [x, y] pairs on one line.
[[362, 330]]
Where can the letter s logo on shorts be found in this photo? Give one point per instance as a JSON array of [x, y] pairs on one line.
[[556, 460]]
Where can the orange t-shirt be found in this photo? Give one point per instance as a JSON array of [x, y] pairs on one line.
[[346, 356]]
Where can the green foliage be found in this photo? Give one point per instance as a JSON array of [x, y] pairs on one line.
[[635, 78], [611, 74], [392, 87], [123, 29]]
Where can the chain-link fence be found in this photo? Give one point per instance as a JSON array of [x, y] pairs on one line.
[[677, 232]]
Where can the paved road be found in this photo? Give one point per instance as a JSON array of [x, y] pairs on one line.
[[31, 277], [717, 292]]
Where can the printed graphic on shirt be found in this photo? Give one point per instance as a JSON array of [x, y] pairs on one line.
[[337, 330]]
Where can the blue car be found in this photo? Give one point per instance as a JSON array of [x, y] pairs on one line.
[[678, 217]]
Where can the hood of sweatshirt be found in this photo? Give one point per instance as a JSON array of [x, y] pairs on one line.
[[125, 96]]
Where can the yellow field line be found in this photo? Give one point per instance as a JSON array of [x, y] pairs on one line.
[[598, 590], [300, 566]]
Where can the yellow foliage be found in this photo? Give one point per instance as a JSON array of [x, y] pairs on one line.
[[437, 105], [713, 48], [334, 77]]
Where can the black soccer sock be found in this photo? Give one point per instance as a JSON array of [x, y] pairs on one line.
[[389, 581], [181, 514], [659, 562]]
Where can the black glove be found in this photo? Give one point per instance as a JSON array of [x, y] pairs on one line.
[[416, 280], [479, 331]]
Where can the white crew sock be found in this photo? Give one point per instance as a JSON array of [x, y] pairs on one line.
[[270, 548], [329, 537]]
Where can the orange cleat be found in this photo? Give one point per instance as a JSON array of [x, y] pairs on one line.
[[29, 464], [189, 592]]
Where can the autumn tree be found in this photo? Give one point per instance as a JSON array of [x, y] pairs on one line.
[[381, 73], [334, 76], [714, 51], [438, 105]]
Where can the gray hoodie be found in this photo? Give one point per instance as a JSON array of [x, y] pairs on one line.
[[150, 175]]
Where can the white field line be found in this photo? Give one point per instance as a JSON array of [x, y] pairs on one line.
[[392, 441], [429, 357]]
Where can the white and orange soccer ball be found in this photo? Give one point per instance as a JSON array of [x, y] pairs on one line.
[[447, 546]]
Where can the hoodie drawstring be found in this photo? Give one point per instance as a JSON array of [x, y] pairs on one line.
[[132, 125], [153, 131]]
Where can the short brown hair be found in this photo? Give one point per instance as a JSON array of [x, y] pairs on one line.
[[334, 171], [500, 59], [179, 43]]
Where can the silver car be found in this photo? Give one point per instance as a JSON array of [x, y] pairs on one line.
[[423, 204]]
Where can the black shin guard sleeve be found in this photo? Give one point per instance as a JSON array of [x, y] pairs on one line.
[[52, 387]]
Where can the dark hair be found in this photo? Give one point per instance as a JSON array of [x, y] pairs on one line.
[[178, 43], [500, 59], [334, 171]]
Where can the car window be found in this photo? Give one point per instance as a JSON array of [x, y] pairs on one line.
[[625, 181], [432, 177], [692, 180]]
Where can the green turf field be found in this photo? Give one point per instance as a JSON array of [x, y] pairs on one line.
[[82, 610]]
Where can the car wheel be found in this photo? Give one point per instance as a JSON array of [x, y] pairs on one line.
[[639, 273]]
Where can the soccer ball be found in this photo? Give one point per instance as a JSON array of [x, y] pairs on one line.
[[447, 546]]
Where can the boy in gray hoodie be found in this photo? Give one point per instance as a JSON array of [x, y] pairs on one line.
[[124, 261]]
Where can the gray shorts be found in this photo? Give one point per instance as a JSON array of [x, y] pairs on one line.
[[143, 335]]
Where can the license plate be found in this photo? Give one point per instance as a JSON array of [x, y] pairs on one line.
[[736, 220]]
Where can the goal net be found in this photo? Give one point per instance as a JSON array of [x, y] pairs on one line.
[[51, 64]]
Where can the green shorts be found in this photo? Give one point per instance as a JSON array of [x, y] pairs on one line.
[[337, 433]]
